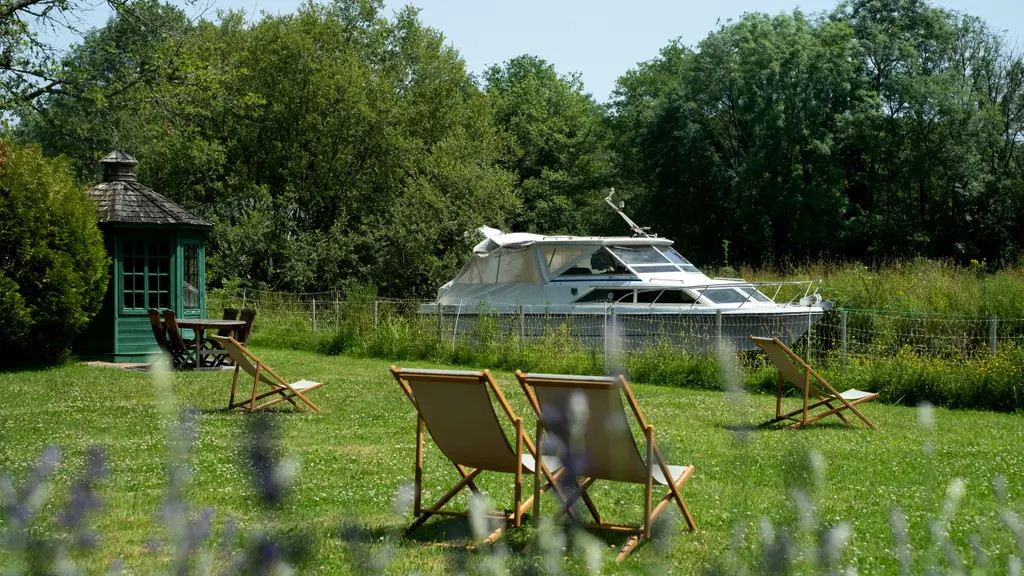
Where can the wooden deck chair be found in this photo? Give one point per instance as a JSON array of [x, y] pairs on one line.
[[280, 388], [832, 401], [455, 406], [182, 355], [603, 448]]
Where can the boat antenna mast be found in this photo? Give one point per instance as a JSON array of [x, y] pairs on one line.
[[638, 231]]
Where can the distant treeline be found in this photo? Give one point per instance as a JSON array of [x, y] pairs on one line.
[[339, 146]]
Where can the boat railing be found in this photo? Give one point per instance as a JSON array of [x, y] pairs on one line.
[[798, 296]]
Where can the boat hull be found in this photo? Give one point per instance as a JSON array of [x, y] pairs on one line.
[[620, 328]]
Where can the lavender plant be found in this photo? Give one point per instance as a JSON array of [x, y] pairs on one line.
[[44, 535]]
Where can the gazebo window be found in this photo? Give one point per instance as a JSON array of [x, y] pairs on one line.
[[190, 281], [146, 274], [133, 260]]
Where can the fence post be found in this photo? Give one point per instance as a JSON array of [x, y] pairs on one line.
[[604, 332], [440, 322], [455, 329], [337, 315], [243, 298], [993, 341], [718, 329], [809, 327], [314, 316], [522, 327], [842, 332], [616, 335], [609, 339], [375, 303]]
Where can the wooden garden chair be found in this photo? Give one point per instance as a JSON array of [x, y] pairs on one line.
[[159, 332], [245, 332], [800, 375], [182, 355], [602, 447], [455, 406], [280, 389]]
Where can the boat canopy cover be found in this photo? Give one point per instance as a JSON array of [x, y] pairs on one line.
[[514, 240], [495, 239]]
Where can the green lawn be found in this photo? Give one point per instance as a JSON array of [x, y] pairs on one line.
[[355, 457]]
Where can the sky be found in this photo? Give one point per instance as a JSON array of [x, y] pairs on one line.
[[600, 39]]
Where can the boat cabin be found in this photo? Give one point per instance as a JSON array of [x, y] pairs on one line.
[[552, 270]]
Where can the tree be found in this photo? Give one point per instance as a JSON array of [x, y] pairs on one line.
[[30, 66], [931, 147], [558, 145], [734, 141], [53, 267], [887, 128], [331, 147]]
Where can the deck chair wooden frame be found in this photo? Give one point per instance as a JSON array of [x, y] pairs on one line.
[[455, 407], [280, 389], [611, 452], [833, 402]]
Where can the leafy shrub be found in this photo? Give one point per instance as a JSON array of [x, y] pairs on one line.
[[663, 365], [53, 267], [919, 285], [988, 382], [907, 358]]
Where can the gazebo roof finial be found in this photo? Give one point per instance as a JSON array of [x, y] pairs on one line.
[[118, 165]]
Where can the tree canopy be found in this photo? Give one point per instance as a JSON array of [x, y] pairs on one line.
[[330, 147], [338, 146], [557, 145], [887, 128]]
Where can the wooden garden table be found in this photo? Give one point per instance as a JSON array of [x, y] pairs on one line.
[[199, 326]]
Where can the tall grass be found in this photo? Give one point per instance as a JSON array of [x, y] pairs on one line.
[[921, 285], [978, 381], [905, 358]]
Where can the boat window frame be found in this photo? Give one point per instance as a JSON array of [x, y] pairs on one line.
[[635, 293], [558, 275], [753, 293], [583, 299], [744, 297], [553, 274]]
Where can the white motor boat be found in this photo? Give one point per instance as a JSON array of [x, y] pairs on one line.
[[637, 289]]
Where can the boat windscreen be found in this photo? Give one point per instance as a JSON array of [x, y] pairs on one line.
[[677, 259], [633, 255], [651, 260]]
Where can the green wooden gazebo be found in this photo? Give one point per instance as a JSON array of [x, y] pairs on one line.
[[157, 261]]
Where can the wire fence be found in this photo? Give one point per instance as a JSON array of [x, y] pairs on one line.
[[298, 320]]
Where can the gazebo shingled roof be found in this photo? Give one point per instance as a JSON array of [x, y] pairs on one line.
[[120, 199]]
